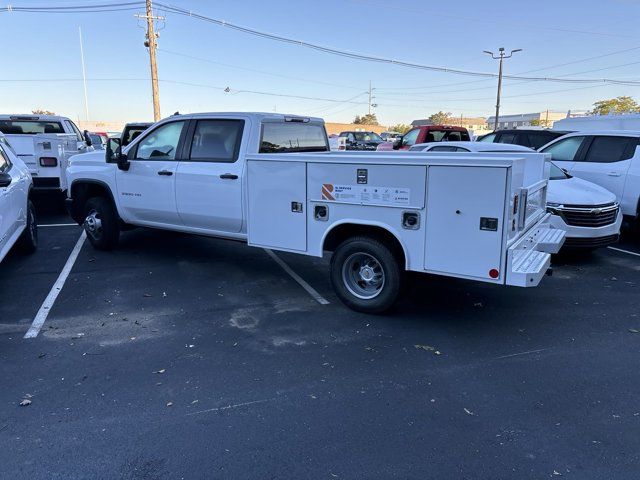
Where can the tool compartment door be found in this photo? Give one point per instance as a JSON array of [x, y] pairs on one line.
[[465, 221], [277, 202]]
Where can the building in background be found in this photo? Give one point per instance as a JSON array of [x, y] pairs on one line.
[[540, 119], [99, 126]]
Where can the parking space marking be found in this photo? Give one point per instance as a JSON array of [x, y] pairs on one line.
[[45, 308], [58, 225], [624, 251], [310, 290]]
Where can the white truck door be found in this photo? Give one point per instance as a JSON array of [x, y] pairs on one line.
[[209, 177], [8, 211], [464, 221], [146, 192]]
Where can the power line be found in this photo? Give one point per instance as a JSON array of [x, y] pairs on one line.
[[371, 58]]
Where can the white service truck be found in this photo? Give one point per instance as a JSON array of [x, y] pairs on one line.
[[44, 143], [270, 180]]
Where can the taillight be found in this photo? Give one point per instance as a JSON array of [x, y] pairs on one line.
[[48, 162], [494, 273]]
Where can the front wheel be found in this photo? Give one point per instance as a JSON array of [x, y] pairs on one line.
[[365, 274], [101, 223], [28, 241]]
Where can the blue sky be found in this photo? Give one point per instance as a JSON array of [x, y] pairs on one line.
[[41, 46]]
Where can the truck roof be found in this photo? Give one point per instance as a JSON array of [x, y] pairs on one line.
[[260, 116], [32, 116]]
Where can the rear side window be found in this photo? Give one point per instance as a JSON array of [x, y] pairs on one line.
[[507, 138], [611, 149], [293, 137], [564, 150], [216, 140], [29, 127], [537, 140]]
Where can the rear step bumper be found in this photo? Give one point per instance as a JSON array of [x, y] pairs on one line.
[[530, 257]]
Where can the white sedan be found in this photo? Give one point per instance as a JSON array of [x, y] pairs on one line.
[[17, 214], [588, 213]]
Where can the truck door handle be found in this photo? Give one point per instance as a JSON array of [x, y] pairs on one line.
[[168, 173], [613, 174], [229, 176]]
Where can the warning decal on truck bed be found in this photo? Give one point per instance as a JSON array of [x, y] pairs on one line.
[[366, 195]]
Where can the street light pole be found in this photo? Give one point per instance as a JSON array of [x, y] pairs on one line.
[[501, 56]]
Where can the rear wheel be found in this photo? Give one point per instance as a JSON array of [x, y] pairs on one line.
[[101, 223], [28, 241], [366, 275]]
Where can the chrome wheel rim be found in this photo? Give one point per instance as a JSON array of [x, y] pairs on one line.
[[93, 224], [363, 275]]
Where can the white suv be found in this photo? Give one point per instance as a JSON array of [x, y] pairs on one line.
[[17, 214], [609, 158]]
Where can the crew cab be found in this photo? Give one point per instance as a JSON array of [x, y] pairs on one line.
[[588, 213], [426, 134], [17, 213], [270, 180], [609, 158], [44, 143]]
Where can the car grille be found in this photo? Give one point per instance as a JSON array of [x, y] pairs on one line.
[[596, 216]]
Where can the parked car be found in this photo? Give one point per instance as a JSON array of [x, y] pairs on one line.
[[234, 176], [361, 140], [609, 158], [426, 134], [390, 136], [17, 213], [44, 143], [588, 213], [527, 138], [98, 142], [132, 131]]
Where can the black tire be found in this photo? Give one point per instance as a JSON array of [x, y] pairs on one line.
[[28, 241], [355, 271], [101, 223]]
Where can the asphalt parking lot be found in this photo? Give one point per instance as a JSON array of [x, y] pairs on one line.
[[186, 357]]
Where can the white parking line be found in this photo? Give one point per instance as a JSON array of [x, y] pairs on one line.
[[45, 308], [58, 225], [310, 290], [624, 251]]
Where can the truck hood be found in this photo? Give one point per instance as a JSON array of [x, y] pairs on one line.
[[96, 157], [575, 191]]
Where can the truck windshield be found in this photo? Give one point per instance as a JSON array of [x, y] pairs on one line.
[[293, 137], [29, 127]]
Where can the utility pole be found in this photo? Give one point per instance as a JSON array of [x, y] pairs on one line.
[[501, 56], [371, 97], [151, 43], [84, 76]]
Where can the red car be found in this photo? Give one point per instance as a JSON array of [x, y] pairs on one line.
[[427, 133]]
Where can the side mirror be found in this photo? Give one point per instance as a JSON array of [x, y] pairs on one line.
[[397, 143], [87, 138], [113, 154], [5, 180]]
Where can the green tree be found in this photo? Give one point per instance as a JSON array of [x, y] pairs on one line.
[[440, 118], [622, 104], [539, 122], [400, 128], [40, 111], [368, 119]]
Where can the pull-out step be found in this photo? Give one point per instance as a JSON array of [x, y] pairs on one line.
[[550, 240], [527, 267]]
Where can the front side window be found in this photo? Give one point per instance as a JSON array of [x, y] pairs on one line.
[[410, 138], [509, 138], [293, 137], [611, 149], [216, 140], [564, 150], [161, 143], [5, 165], [489, 138]]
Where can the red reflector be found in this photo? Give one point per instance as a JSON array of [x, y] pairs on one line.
[[48, 161], [493, 273]]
